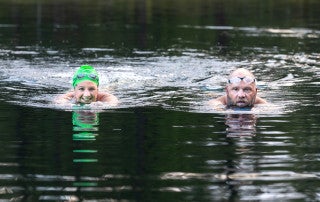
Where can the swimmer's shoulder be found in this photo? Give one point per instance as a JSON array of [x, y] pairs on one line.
[[218, 101], [108, 98], [260, 100], [218, 104]]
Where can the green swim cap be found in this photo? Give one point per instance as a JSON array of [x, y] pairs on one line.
[[85, 73]]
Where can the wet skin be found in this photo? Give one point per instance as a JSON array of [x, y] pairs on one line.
[[86, 92], [241, 94]]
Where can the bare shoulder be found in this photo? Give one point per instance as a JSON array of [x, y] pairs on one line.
[[108, 98], [218, 101], [218, 104], [259, 100]]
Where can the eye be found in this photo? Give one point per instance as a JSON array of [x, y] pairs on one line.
[[247, 90], [92, 89], [235, 88]]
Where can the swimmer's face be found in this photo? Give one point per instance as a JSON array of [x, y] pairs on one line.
[[86, 92], [241, 94]]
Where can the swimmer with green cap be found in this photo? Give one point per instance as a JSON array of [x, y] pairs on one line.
[[85, 73], [85, 83]]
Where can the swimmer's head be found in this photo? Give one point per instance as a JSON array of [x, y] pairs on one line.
[[85, 73], [241, 88]]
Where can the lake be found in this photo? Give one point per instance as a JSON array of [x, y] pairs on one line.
[[164, 60]]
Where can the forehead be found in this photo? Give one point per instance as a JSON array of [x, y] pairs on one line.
[[86, 84], [241, 84]]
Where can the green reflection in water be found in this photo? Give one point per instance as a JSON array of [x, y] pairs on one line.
[[85, 160], [85, 184], [84, 151], [84, 136], [84, 122]]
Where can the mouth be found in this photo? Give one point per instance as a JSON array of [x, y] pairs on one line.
[[241, 103], [86, 100]]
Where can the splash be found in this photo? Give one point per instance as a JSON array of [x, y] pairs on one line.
[[154, 80], [179, 82]]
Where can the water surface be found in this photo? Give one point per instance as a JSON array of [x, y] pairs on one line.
[[163, 60]]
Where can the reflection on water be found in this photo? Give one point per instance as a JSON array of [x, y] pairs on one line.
[[85, 120], [240, 125], [154, 152], [164, 60], [86, 129], [270, 32]]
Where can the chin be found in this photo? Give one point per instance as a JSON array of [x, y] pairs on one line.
[[85, 102], [242, 104]]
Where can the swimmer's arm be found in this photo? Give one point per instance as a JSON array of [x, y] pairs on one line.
[[108, 98], [65, 98]]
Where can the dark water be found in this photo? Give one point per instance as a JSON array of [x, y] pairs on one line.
[[164, 60]]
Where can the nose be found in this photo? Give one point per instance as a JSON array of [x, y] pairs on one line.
[[86, 93], [241, 93]]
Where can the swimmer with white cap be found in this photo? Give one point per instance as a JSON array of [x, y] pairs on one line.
[[241, 91]]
